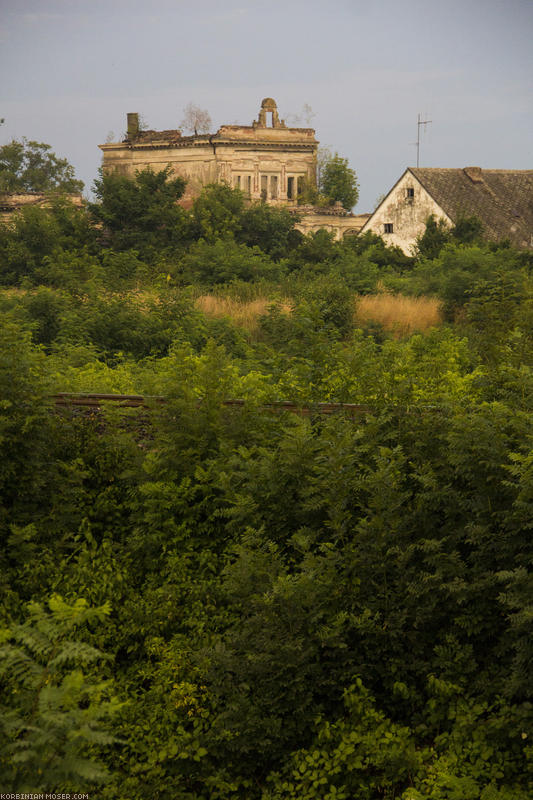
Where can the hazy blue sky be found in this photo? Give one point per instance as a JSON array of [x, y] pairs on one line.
[[72, 69]]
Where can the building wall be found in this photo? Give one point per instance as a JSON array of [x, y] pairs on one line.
[[265, 162], [406, 208], [12, 203], [196, 163], [228, 163], [341, 225]]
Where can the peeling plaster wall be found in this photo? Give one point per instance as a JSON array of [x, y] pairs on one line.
[[197, 164], [407, 215], [341, 226], [220, 162], [264, 162]]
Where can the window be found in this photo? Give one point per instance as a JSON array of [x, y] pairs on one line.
[[273, 186], [249, 185], [264, 187], [237, 181], [388, 227], [410, 193], [290, 188]]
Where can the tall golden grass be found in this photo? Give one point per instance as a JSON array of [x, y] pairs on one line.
[[244, 314], [399, 314]]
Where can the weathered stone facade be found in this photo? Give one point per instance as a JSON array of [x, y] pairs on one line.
[[401, 217], [266, 161], [334, 220], [501, 199], [12, 202]]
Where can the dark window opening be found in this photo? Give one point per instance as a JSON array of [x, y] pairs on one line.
[[388, 227], [410, 193], [264, 187], [290, 188]]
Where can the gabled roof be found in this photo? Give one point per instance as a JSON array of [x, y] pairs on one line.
[[501, 198]]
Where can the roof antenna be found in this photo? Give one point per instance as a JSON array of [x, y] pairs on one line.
[[419, 123]]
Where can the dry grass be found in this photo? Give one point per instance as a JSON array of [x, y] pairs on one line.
[[398, 313], [244, 314]]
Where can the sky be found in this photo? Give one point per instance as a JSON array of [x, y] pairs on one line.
[[72, 69]]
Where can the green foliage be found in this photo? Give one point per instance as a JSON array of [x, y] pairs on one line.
[[217, 212], [225, 260], [304, 606], [269, 228], [362, 755], [36, 234], [28, 166], [467, 230], [378, 252], [308, 193], [457, 271], [318, 247], [339, 182], [435, 236], [55, 707], [141, 213]]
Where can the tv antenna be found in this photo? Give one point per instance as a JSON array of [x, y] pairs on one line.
[[418, 124]]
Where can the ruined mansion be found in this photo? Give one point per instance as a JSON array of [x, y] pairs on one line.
[[267, 160], [271, 161]]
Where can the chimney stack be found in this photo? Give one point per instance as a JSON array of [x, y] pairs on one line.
[[133, 125], [474, 173]]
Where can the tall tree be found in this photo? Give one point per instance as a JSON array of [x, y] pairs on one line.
[[141, 213], [339, 182], [28, 166], [435, 236]]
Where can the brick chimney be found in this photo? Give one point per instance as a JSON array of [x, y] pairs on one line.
[[474, 173], [133, 125]]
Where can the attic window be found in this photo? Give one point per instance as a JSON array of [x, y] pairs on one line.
[[388, 227], [409, 192]]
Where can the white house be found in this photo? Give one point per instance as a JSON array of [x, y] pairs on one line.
[[502, 199]]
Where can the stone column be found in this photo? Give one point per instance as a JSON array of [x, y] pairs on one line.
[[283, 183]]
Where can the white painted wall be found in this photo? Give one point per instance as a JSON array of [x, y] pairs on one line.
[[407, 215]]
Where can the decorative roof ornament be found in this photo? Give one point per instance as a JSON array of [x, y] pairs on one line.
[[268, 106]]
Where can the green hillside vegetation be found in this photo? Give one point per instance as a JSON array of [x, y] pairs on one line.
[[207, 602]]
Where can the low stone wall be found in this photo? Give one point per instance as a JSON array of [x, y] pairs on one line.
[[334, 220]]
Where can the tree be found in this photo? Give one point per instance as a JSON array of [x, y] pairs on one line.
[[55, 711], [36, 233], [338, 182], [217, 212], [195, 119], [270, 228], [435, 236], [468, 230], [225, 260], [141, 213], [323, 157], [28, 166]]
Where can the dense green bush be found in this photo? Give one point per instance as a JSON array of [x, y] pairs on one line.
[[141, 213], [225, 260], [233, 601]]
